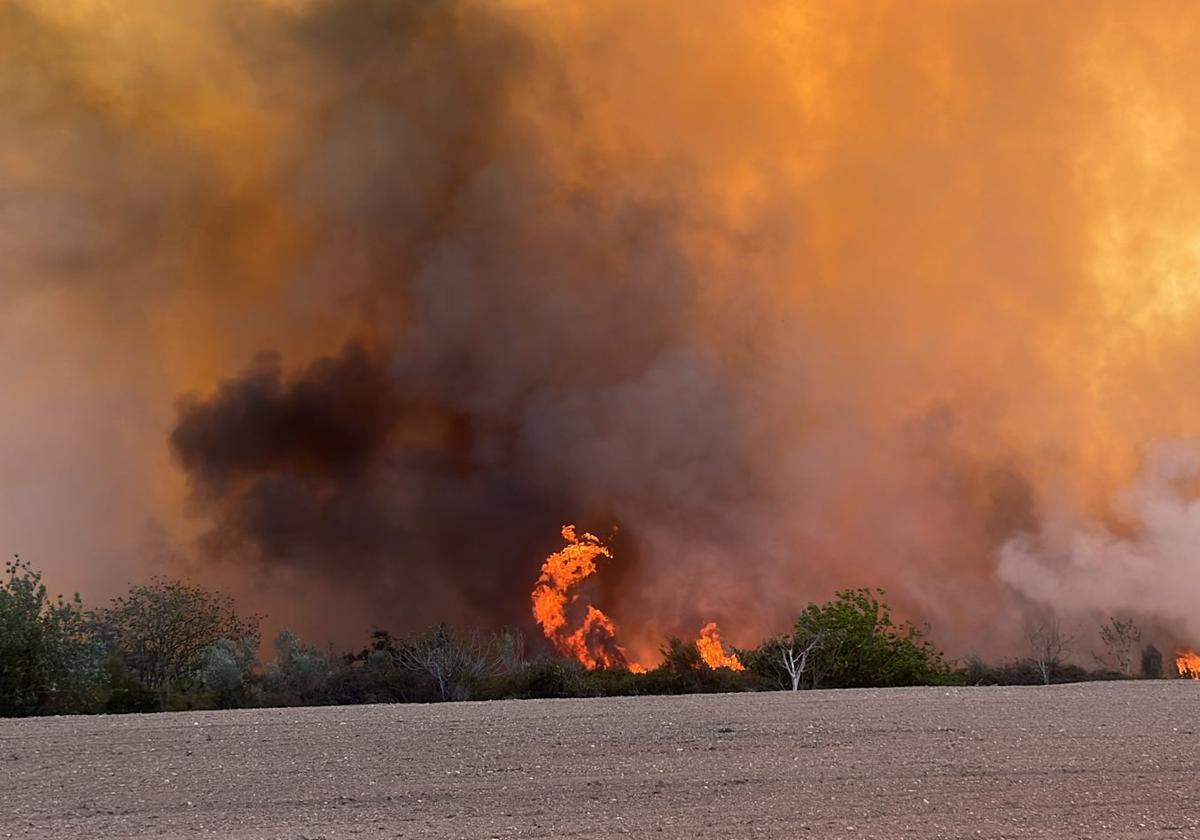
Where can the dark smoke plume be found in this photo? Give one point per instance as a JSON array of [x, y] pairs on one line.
[[517, 324], [330, 422], [337, 472]]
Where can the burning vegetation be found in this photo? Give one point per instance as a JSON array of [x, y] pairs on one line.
[[713, 652], [1187, 664], [593, 642]]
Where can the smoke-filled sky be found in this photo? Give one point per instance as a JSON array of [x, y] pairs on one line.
[[348, 305]]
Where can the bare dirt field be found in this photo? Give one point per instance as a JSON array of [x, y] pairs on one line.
[[1095, 760]]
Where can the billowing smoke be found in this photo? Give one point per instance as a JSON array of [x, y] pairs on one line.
[[1142, 562], [351, 304]]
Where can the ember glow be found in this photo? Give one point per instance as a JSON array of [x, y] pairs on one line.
[[1187, 664]]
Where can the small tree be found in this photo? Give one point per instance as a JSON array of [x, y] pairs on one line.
[[1048, 645], [454, 661], [795, 658], [225, 670], [1152, 663], [852, 641], [510, 650], [784, 661], [49, 659], [1120, 640], [298, 673], [161, 630]]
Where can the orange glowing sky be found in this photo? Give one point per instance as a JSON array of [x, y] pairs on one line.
[[923, 278]]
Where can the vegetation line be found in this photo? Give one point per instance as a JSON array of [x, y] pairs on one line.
[[171, 645]]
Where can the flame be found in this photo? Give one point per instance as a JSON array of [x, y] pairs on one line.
[[713, 652], [594, 642], [1187, 663]]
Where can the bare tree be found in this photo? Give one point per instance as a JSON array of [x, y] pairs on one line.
[[795, 658], [1120, 640], [510, 650], [453, 660], [1048, 644]]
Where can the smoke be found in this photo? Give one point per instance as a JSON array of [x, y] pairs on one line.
[[351, 305], [1142, 563]]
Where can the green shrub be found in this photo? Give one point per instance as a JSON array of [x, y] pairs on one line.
[[131, 698], [540, 678], [162, 629], [184, 695], [858, 644], [299, 674], [226, 671], [767, 663], [124, 694], [616, 682], [50, 661]]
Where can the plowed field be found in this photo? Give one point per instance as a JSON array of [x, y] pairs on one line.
[[1114, 760]]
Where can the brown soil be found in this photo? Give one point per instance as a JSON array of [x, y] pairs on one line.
[[1097, 760]]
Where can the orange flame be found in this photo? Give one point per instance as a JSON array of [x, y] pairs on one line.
[[594, 642], [713, 652], [1187, 663]]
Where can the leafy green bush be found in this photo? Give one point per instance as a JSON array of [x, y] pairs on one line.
[[768, 662], [131, 698], [299, 674], [124, 694], [184, 694], [50, 662], [227, 671], [858, 644], [162, 629]]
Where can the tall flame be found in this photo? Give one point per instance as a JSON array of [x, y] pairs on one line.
[[713, 652], [594, 641], [1187, 663]]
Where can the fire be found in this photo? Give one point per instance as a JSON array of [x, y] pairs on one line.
[[713, 652], [1187, 663], [594, 642]]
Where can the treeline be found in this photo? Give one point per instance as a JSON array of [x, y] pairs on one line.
[[170, 645]]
